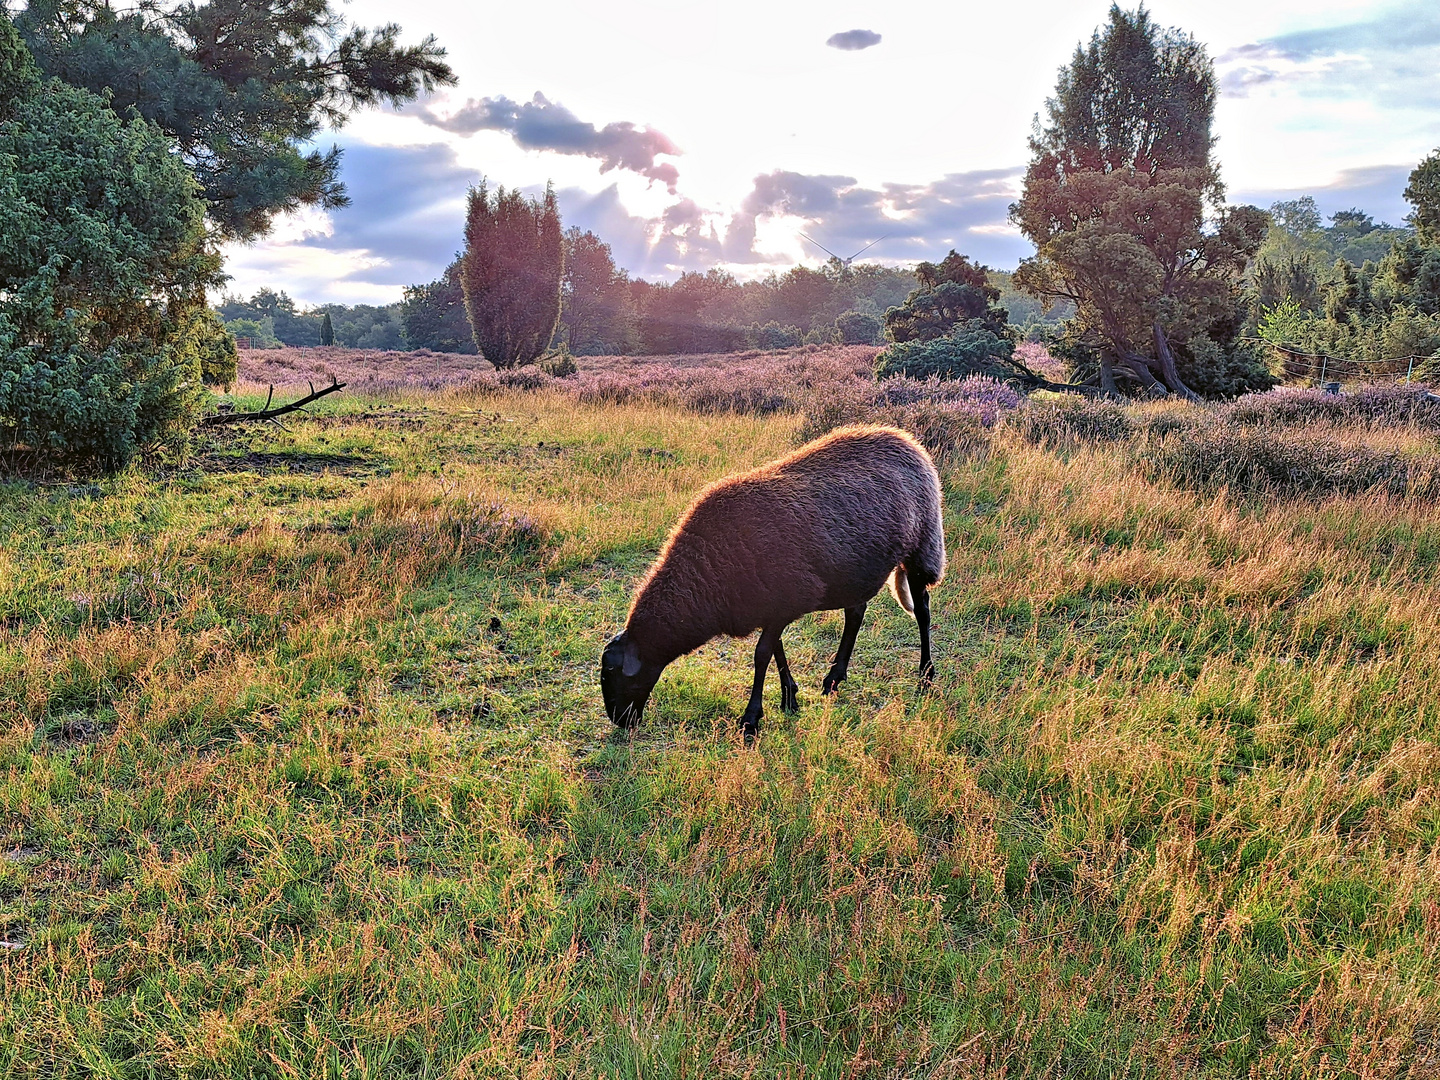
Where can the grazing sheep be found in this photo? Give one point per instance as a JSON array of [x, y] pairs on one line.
[[824, 528]]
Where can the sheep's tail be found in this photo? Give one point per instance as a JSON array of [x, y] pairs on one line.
[[927, 561], [900, 588]]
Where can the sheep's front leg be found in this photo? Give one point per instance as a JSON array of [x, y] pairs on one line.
[[764, 651], [838, 670], [789, 688]]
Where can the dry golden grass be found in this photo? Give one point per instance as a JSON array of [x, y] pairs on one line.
[[303, 773]]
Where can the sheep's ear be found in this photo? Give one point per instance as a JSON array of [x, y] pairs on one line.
[[631, 665]]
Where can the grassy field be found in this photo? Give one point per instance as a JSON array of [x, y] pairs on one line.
[[304, 772]]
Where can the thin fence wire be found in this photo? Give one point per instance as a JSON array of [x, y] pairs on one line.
[[1299, 366]]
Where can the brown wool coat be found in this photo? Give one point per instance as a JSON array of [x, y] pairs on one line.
[[821, 529]]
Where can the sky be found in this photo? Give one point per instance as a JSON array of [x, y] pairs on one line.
[[691, 136]]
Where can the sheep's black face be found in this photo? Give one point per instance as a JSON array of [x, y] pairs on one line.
[[625, 681]]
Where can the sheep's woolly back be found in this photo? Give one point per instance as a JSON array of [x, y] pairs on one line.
[[825, 527]]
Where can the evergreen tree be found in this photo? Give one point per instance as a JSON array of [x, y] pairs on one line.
[[951, 327], [952, 293], [1423, 193], [511, 273], [327, 330], [104, 263], [242, 87], [1123, 204]]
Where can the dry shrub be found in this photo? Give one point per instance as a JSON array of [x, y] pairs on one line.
[[490, 383], [951, 418], [1207, 456], [950, 434], [1377, 406]]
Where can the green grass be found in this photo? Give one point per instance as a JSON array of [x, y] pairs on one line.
[[303, 773]]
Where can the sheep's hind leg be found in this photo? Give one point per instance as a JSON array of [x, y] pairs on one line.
[[920, 596], [789, 688], [841, 666], [764, 650]]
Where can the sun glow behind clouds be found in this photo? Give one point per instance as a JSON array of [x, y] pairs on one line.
[[926, 131]]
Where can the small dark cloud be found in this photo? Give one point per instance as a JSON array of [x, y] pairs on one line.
[[542, 124], [853, 40]]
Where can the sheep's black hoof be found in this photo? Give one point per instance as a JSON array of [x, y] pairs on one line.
[[750, 725], [927, 676], [790, 698], [832, 682]]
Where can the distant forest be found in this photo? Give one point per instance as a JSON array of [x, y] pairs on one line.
[[605, 311]]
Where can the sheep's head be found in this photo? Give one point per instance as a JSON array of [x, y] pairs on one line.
[[626, 680]]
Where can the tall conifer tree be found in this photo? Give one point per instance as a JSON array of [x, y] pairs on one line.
[[511, 272]]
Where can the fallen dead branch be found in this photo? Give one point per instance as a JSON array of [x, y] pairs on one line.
[[268, 413]]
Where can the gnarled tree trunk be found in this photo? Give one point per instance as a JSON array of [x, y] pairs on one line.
[[1140, 367], [1168, 371], [1107, 375]]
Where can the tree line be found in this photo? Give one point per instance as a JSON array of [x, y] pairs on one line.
[[270, 319], [1355, 290], [604, 311]]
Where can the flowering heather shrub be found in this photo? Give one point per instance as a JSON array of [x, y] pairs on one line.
[[987, 400], [1396, 404], [829, 385], [364, 371], [1299, 462], [753, 383], [1038, 359], [949, 418], [1070, 423]]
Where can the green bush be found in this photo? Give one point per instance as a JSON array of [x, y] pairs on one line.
[[104, 262], [773, 336], [214, 348], [558, 363], [970, 349], [261, 332], [860, 328]]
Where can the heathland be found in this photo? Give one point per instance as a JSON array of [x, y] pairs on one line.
[[304, 771]]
